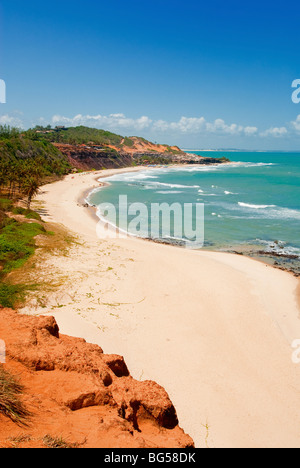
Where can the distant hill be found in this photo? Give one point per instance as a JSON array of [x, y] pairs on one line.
[[29, 159], [93, 137], [90, 148]]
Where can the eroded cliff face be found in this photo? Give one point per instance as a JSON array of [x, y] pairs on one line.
[[86, 159], [135, 145], [78, 394]]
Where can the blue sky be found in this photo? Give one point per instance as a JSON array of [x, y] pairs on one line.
[[198, 74]]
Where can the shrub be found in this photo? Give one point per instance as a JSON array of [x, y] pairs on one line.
[[17, 244], [5, 204], [11, 294], [29, 214]]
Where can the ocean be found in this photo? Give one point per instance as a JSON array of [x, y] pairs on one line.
[[251, 208]]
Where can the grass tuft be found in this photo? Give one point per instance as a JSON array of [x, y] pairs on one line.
[[58, 443], [10, 403], [17, 244], [11, 294], [29, 214]]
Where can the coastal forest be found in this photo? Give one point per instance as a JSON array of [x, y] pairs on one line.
[[25, 163]]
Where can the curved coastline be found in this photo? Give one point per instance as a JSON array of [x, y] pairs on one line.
[[214, 329], [84, 196], [259, 254]]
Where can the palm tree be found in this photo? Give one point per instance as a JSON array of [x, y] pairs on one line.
[[30, 188]]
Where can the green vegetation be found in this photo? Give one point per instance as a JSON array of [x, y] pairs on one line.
[[142, 140], [11, 294], [128, 142], [88, 136], [5, 204], [224, 159], [149, 159], [17, 244], [172, 150], [29, 214], [75, 136], [10, 403], [26, 163]]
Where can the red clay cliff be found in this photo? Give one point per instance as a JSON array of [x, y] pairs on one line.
[[78, 394]]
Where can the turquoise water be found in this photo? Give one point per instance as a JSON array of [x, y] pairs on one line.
[[256, 202]]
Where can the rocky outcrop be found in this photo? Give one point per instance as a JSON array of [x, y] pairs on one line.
[[78, 394], [195, 159]]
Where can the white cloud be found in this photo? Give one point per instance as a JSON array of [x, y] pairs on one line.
[[119, 122], [113, 121], [219, 126], [250, 131], [10, 120], [200, 125], [296, 124], [276, 132], [186, 125]]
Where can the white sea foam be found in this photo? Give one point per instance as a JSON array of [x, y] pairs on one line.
[[131, 177], [271, 211], [169, 192], [252, 211], [256, 207], [260, 164], [153, 173], [172, 186]]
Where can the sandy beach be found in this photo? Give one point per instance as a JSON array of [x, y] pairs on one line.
[[214, 329]]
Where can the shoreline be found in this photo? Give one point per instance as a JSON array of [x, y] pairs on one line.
[[263, 257], [214, 329]]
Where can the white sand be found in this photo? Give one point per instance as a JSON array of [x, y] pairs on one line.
[[214, 329]]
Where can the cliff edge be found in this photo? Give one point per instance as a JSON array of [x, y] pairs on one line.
[[77, 396]]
